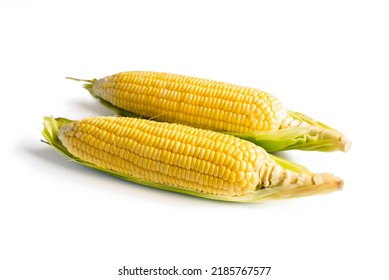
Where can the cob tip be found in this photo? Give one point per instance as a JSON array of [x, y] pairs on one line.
[[325, 183], [329, 182], [345, 144]]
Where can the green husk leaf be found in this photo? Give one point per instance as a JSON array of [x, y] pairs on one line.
[[313, 136], [327, 184], [292, 166]]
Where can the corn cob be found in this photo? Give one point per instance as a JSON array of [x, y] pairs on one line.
[[183, 159], [247, 113]]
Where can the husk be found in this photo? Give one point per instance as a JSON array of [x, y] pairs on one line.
[[315, 137]]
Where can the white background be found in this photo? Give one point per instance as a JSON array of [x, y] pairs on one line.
[[327, 59]]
